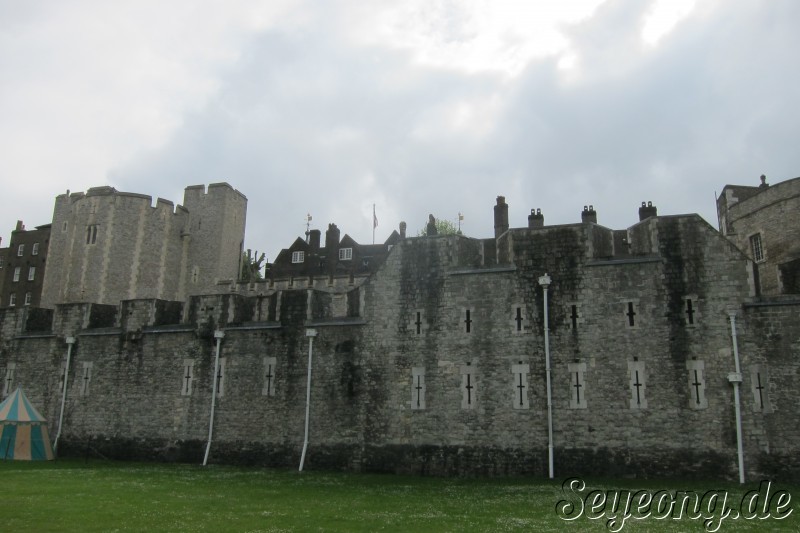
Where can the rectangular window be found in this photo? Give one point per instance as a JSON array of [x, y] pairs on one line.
[[16, 273], [20, 250], [12, 300], [35, 249], [91, 234], [758, 250], [345, 254], [298, 257], [31, 273], [28, 298]]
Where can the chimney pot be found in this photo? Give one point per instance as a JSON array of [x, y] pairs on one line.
[[647, 210]]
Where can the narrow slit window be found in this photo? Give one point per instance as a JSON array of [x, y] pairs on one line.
[[269, 376], [638, 385], [418, 322], [187, 377], [631, 314], [518, 318], [697, 385], [519, 386], [8, 380], [418, 388], [221, 376], [577, 385], [86, 378], [759, 382], [468, 386]]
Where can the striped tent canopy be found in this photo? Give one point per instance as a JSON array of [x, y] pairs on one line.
[[23, 430]]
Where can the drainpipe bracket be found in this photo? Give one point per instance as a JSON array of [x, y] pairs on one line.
[[735, 377]]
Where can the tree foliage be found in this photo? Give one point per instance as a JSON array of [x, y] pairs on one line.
[[443, 227], [251, 266]]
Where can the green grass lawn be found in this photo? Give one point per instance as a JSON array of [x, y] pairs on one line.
[[111, 496]]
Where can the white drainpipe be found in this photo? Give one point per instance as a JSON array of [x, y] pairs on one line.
[[736, 379], [544, 281], [70, 344], [219, 334], [310, 333]]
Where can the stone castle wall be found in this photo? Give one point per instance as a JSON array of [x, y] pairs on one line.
[[436, 363]]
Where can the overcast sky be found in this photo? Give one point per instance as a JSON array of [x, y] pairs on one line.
[[415, 106]]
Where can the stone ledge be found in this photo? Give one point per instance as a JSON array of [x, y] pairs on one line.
[[100, 331], [493, 270], [626, 261], [343, 321], [254, 325]]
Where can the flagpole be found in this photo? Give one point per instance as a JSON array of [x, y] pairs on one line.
[[374, 220]]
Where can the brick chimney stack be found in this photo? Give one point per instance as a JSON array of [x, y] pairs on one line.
[[536, 219], [589, 215], [647, 210], [500, 216], [332, 246], [314, 239]]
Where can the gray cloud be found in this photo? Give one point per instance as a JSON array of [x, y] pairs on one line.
[[306, 120]]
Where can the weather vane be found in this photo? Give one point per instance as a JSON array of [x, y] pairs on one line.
[[308, 226]]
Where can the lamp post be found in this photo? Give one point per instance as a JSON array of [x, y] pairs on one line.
[[310, 333], [70, 344], [544, 281], [218, 335], [735, 378]]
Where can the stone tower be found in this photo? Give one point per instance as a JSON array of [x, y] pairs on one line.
[[108, 245]]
